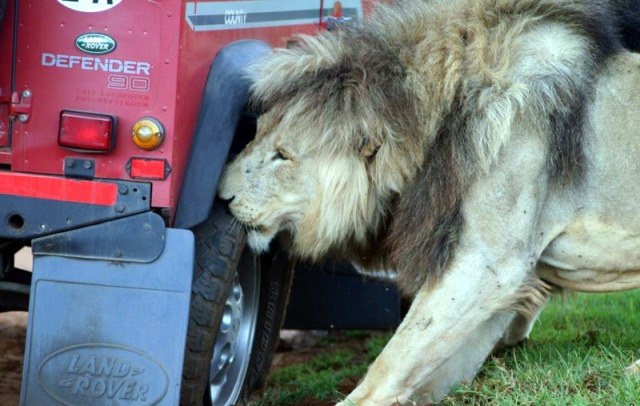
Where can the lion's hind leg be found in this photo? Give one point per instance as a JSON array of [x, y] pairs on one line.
[[448, 332]]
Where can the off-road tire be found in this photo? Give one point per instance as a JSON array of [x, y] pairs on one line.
[[218, 247], [220, 242], [277, 276]]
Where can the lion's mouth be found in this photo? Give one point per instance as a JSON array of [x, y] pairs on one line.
[[257, 228], [249, 225], [259, 237], [260, 231]]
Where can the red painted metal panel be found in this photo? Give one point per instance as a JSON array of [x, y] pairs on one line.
[[165, 79], [128, 83], [61, 189], [6, 49], [5, 156], [369, 5], [158, 69]]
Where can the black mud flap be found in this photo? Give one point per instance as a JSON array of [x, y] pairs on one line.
[[108, 333]]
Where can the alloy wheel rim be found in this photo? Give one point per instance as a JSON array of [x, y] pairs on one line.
[[234, 342]]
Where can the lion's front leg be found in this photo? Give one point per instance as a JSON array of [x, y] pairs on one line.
[[448, 332], [467, 360], [454, 324], [633, 369]]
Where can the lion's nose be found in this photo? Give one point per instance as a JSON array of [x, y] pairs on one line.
[[224, 193], [227, 199]]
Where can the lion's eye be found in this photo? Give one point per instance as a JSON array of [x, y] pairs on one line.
[[280, 154]]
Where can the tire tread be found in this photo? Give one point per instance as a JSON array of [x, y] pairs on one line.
[[219, 245]]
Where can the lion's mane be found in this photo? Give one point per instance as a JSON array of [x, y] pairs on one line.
[[427, 93]]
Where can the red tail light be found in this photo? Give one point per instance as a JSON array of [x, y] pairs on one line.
[[86, 131]]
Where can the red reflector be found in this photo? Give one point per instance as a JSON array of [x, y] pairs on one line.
[[86, 131], [62, 189], [148, 168]]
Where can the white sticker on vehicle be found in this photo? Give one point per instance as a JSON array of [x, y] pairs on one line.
[[89, 6], [205, 15]]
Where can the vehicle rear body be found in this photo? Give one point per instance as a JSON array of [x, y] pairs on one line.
[[157, 68]]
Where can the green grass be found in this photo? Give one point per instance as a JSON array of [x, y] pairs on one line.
[[576, 355], [316, 379]]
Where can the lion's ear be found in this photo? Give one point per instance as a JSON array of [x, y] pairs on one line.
[[369, 149]]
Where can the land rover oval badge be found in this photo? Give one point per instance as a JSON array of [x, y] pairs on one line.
[[95, 43]]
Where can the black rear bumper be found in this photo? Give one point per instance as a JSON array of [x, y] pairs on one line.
[[35, 205]]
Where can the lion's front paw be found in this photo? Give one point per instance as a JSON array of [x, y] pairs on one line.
[[348, 402]]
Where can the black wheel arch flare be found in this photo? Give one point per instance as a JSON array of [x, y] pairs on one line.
[[223, 106]]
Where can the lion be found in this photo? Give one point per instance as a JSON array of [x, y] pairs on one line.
[[486, 151]]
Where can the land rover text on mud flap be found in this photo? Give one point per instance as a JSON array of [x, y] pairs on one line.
[[116, 118]]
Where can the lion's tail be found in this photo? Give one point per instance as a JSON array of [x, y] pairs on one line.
[[628, 15]]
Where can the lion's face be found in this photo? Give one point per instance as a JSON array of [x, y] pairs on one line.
[[283, 181], [266, 189]]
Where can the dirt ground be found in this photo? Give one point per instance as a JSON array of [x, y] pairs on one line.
[[13, 327], [294, 347]]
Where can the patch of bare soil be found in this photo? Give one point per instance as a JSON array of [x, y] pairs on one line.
[[294, 347], [315, 402], [297, 347], [13, 328]]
